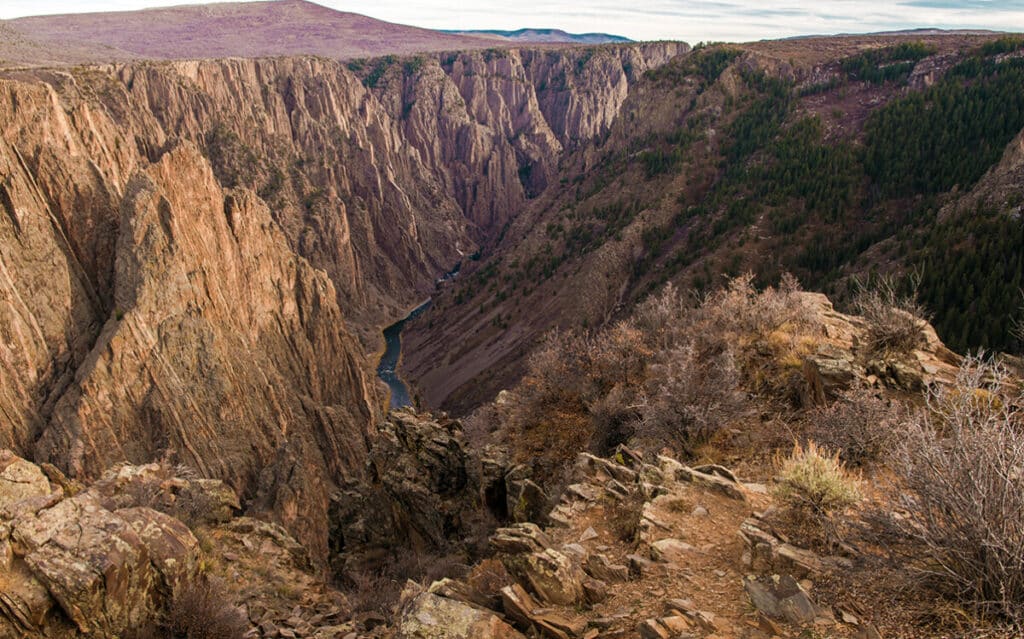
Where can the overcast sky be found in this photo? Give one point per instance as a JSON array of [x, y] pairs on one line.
[[690, 20]]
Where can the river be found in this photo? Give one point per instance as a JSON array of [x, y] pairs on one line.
[[387, 368]]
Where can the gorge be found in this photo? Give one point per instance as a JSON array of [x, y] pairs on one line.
[[211, 246], [317, 321]]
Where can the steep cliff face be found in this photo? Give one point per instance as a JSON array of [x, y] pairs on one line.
[[494, 125], [330, 162], [224, 348], [196, 257]]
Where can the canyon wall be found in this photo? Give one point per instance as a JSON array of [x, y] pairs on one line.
[[196, 257]]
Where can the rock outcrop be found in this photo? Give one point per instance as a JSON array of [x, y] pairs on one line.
[[421, 491], [78, 562], [431, 617], [224, 349]]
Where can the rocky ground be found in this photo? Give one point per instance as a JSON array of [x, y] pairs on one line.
[[632, 549], [436, 539]]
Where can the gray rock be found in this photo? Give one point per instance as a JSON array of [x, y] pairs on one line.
[[599, 567], [552, 576], [781, 597], [428, 616]]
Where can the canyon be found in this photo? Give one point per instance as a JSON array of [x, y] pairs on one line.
[[199, 256], [202, 244]]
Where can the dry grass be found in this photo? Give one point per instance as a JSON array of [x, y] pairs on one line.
[[816, 480]]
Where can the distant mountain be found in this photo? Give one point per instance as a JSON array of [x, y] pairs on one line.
[[546, 36], [249, 29]]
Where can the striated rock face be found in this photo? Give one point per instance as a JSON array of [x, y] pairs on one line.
[[196, 257], [494, 124], [223, 348]]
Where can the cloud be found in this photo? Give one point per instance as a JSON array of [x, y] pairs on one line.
[[691, 20]]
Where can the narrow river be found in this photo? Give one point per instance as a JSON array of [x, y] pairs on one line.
[[387, 369]]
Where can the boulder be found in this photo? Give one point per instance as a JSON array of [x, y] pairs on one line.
[[171, 546], [671, 627], [24, 600], [595, 590], [518, 606], [781, 597], [92, 562], [551, 575], [600, 567], [520, 538], [429, 616], [640, 567], [556, 625], [673, 551], [713, 481], [828, 373], [107, 570], [19, 480]]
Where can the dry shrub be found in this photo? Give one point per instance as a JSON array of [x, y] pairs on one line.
[[200, 609], [962, 459], [894, 320], [741, 310], [672, 375], [860, 425], [691, 397], [378, 591], [373, 592], [481, 427], [551, 421], [814, 480], [614, 420]]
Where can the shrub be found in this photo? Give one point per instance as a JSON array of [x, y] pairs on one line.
[[379, 590], [1017, 325], [690, 397], [860, 426], [894, 321], [816, 481], [374, 592], [199, 609], [962, 459]]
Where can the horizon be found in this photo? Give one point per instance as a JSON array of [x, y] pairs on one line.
[[696, 21]]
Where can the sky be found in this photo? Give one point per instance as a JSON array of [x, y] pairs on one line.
[[689, 20]]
